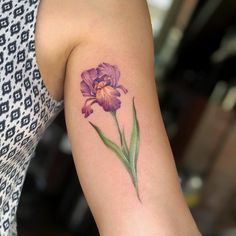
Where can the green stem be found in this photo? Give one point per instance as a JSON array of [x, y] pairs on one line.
[[118, 127]]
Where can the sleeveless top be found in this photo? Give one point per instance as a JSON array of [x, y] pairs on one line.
[[26, 106]]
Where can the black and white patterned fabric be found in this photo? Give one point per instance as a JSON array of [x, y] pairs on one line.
[[26, 106]]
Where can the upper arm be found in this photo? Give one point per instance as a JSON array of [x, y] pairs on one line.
[[117, 50]]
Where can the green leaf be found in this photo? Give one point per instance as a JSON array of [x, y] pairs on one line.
[[134, 147], [124, 144], [114, 147]]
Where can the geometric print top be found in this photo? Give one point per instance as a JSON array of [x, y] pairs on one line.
[[26, 106]]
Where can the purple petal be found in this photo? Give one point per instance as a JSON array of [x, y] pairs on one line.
[[109, 73], [87, 110], [125, 90], [107, 98], [88, 77], [85, 90]]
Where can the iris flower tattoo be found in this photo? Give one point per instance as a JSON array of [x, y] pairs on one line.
[[100, 85]]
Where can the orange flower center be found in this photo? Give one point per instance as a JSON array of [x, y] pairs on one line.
[[101, 85]]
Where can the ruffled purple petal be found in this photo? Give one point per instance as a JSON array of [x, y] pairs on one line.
[[109, 73], [125, 90], [107, 97], [85, 90], [87, 109], [88, 77]]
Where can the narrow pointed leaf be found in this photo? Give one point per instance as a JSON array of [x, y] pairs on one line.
[[134, 146], [114, 147]]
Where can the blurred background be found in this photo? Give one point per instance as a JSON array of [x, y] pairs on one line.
[[195, 69]]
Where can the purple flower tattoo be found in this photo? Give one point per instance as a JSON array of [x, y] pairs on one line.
[[101, 86]]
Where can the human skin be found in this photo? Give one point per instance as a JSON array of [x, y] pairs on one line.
[[74, 36]]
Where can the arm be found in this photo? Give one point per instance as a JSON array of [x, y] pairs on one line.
[[131, 190]]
